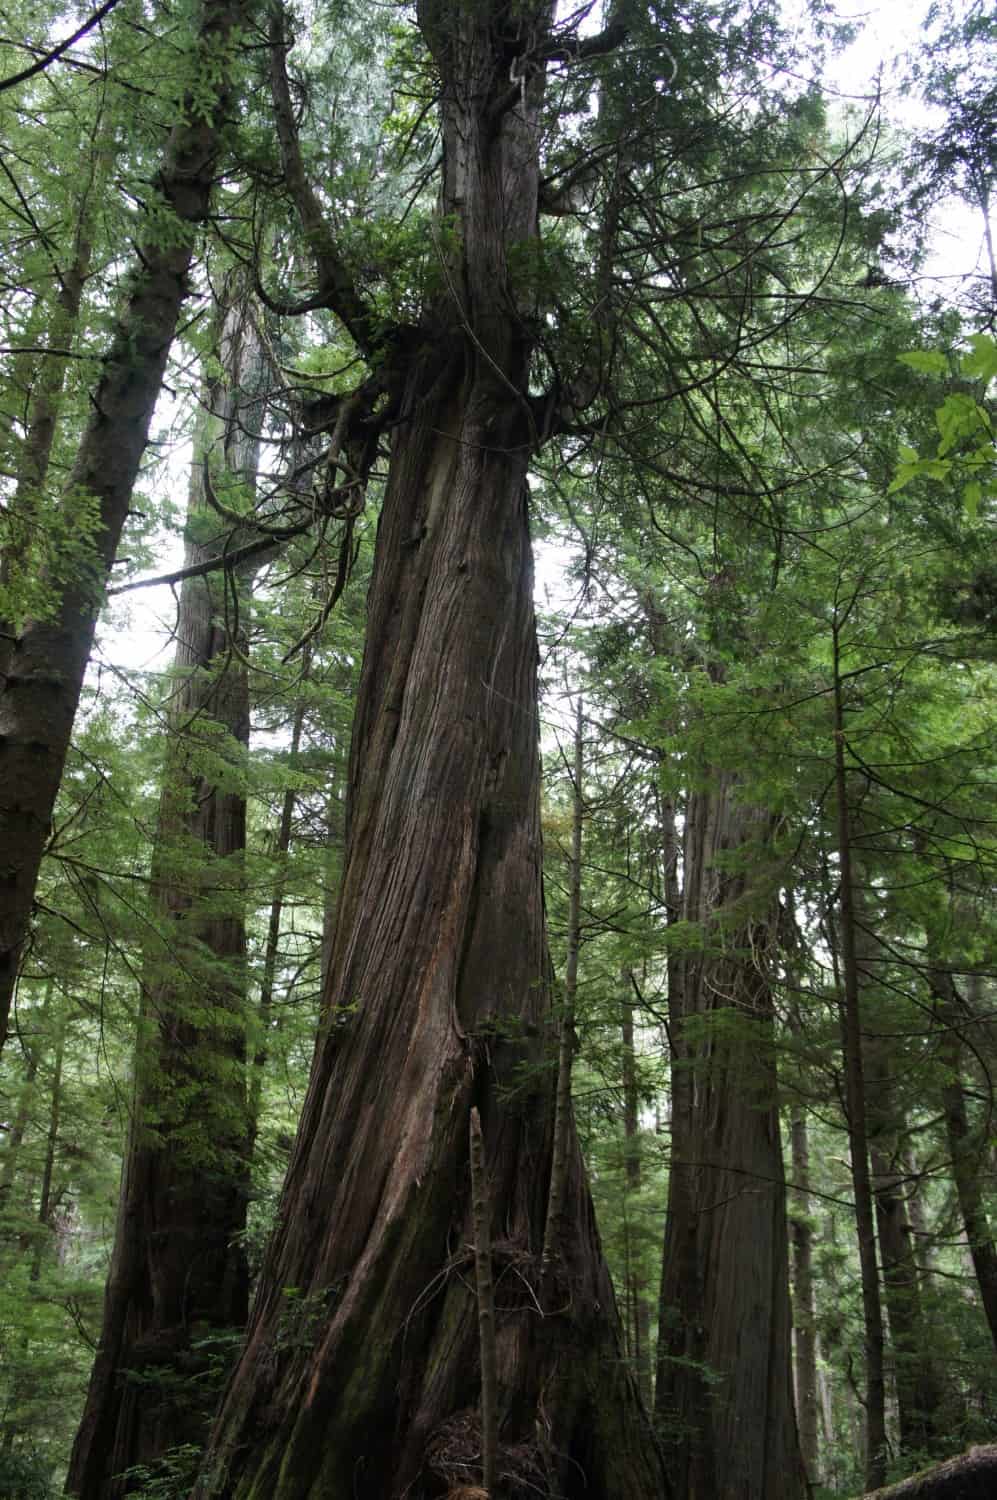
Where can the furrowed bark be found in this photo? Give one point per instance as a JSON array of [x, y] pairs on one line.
[[361, 1369], [436, 999], [724, 1376], [178, 1285], [43, 674]]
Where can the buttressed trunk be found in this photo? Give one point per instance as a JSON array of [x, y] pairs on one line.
[[724, 1386], [361, 1370], [42, 670], [178, 1284]]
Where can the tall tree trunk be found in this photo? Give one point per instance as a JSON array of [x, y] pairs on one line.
[[51, 1147], [724, 1349], [918, 1392], [804, 1314], [631, 1132], [25, 1099], [372, 1368], [437, 994], [48, 378], [557, 1219], [178, 1278], [965, 1145], [42, 675], [855, 1100], [271, 949]]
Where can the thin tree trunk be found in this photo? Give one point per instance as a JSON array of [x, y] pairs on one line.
[[178, 1278], [631, 1133], [49, 378], [51, 1145], [918, 1393], [557, 1224], [965, 1147], [41, 679], [855, 1098], [25, 1100], [272, 947], [724, 1383], [804, 1315]]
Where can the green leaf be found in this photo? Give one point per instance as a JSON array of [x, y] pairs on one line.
[[925, 361], [982, 363], [972, 494]]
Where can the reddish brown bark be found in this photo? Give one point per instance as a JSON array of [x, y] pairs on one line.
[[440, 950], [361, 1368], [724, 1383]]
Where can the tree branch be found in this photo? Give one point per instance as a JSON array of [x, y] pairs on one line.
[[336, 288]]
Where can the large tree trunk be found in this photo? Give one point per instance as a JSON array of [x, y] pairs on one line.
[[178, 1281], [361, 1364], [724, 1382], [361, 1369], [42, 673]]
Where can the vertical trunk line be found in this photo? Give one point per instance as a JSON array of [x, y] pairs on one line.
[[553, 1231], [875, 1404]]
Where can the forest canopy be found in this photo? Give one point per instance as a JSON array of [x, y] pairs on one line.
[[497, 649]]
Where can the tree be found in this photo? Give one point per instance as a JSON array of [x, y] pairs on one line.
[[43, 666], [438, 979], [178, 1284]]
